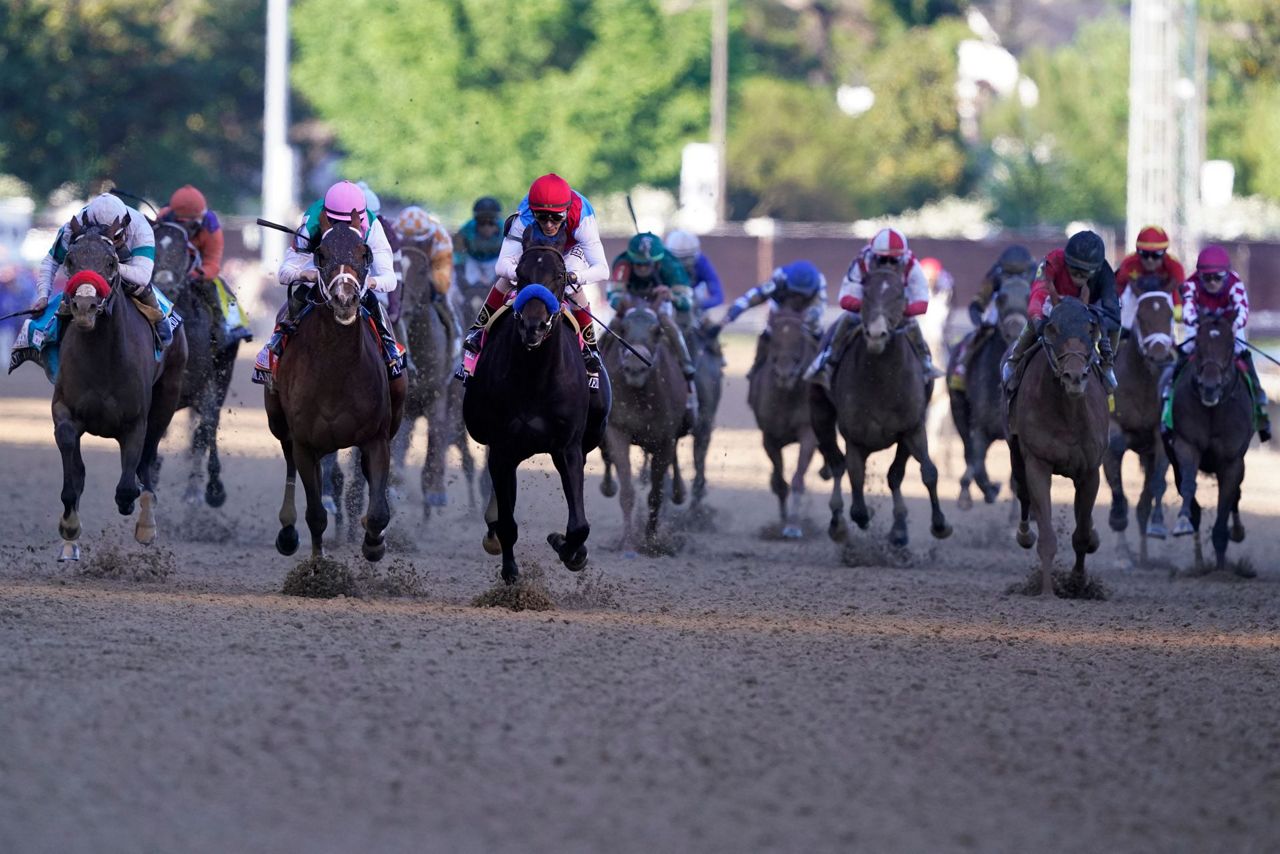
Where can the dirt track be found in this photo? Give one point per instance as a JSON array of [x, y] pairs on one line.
[[747, 694]]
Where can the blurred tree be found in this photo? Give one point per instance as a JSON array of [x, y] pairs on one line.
[[463, 97], [146, 93]]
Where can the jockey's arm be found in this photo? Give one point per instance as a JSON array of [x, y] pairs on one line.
[[682, 297], [297, 266], [593, 265], [382, 273], [917, 290], [751, 299], [141, 242], [1239, 305], [509, 255], [49, 266], [1108, 304], [211, 245], [851, 288], [709, 290], [615, 293]]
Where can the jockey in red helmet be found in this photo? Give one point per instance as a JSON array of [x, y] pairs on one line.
[[1152, 258], [888, 250], [551, 206]]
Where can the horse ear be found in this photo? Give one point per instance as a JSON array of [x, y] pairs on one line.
[[367, 254], [355, 218], [76, 227]]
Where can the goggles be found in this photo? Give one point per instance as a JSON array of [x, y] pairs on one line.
[[549, 217], [1213, 277], [1151, 254], [885, 260]]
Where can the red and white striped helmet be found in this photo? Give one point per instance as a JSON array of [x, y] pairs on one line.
[[889, 242]]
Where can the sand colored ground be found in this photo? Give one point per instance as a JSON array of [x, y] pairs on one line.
[[747, 694]]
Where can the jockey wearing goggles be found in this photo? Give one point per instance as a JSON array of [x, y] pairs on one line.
[[477, 244], [1151, 258]]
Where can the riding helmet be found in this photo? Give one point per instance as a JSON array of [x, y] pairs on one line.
[[1016, 259], [1213, 259], [343, 198], [645, 248], [801, 277], [683, 245], [1153, 238], [550, 193], [188, 203], [486, 209], [371, 200], [890, 243], [105, 209], [1085, 251]]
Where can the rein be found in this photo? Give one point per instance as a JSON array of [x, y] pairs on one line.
[[326, 286], [1145, 342]]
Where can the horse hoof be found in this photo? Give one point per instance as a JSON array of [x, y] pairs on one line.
[[1237, 533], [1026, 538], [287, 540], [1118, 518], [1244, 570], [991, 493], [437, 499], [576, 561], [898, 539], [330, 506], [677, 495], [70, 552], [373, 552], [941, 532], [1157, 531], [1182, 527], [791, 532], [145, 531], [491, 544], [125, 503], [965, 501], [824, 473], [215, 495], [863, 519], [510, 574]]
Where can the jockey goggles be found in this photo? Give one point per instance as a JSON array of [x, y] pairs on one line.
[[550, 216], [1151, 254], [886, 260], [1213, 277]]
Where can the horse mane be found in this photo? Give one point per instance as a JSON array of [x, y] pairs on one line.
[[542, 265]]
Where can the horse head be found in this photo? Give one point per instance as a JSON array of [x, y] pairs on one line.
[[415, 276], [790, 348], [176, 257], [540, 285], [1068, 337], [93, 249], [1153, 321], [883, 302], [1215, 357], [640, 327], [1011, 307], [343, 259]]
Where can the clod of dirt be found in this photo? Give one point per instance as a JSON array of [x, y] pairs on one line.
[[319, 578], [144, 564], [661, 545], [590, 592], [397, 578], [1065, 586], [873, 551], [401, 540], [701, 518], [529, 593]]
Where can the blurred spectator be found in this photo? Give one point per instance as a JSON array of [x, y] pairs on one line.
[[17, 292]]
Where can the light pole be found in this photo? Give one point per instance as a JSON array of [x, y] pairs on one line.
[[277, 157], [719, 95]]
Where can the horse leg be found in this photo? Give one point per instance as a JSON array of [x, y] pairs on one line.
[[215, 494], [677, 481], [856, 465], [823, 417], [1230, 477], [287, 538], [375, 463], [778, 484], [1038, 476], [1084, 539], [1118, 519], [659, 461], [620, 454], [981, 443], [1142, 512], [897, 470], [490, 542], [808, 444], [67, 433], [701, 443], [331, 489], [503, 474], [960, 416], [433, 492], [1188, 458], [308, 463], [165, 394], [128, 488], [918, 444], [353, 496], [1159, 483], [608, 487], [571, 545], [468, 464]]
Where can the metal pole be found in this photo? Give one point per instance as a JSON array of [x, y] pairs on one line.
[[719, 96], [277, 157]]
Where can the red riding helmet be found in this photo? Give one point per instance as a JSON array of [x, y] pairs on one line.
[[1213, 259], [1153, 238], [550, 193], [188, 203], [890, 243]]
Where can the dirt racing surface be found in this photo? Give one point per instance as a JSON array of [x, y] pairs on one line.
[[746, 693]]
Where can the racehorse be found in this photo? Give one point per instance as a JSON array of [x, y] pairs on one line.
[[878, 399], [1212, 428], [1135, 419], [110, 383], [649, 411], [1058, 425], [331, 391], [780, 401], [978, 407], [529, 396], [208, 373]]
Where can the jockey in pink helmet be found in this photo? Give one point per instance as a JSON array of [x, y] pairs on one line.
[[298, 267], [888, 250]]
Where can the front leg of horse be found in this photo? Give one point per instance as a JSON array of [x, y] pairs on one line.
[[981, 442], [620, 454], [918, 445], [1142, 511], [503, 474], [308, 462], [659, 461], [1159, 483], [898, 537], [1230, 477], [1112, 460], [857, 468], [375, 463], [1188, 458], [778, 485], [822, 416], [1084, 539], [67, 433], [701, 443], [1038, 479], [571, 545], [433, 491]]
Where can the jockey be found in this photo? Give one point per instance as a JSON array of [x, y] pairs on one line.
[[551, 205], [1066, 273], [799, 286], [707, 291], [1215, 287], [137, 258], [477, 244], [187, 208], [299, 266], [888, 250], [644, 273], [1013, 261], [1152, 259], [416, 227]]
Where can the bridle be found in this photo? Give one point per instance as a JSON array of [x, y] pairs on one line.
[[1147, 341], [1058, 363], [1224, 365], [113, 278], [326, 286]]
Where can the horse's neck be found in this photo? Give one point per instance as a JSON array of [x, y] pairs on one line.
[[107, 345]]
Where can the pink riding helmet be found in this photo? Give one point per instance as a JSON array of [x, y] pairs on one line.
[[341, 199]]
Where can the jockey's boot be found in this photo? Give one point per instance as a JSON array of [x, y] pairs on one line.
[[590, 347], [915, 335], [1261, 417], [1009, 368], [1108, 342], [831, 348], [475, 335], [164, 332], [390, 349]]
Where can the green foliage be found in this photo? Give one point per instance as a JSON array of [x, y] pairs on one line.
[[794, 155], [147, 93], [456, 99]]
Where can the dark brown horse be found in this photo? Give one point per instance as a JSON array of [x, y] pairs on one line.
[[529, 396], [1212, 428], [1135, 419], [780, 400], [978, 408], [209, 368], [110, 384], [1058, 425], [708, 384], [878, 399], [648, 411], [331, 391]]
